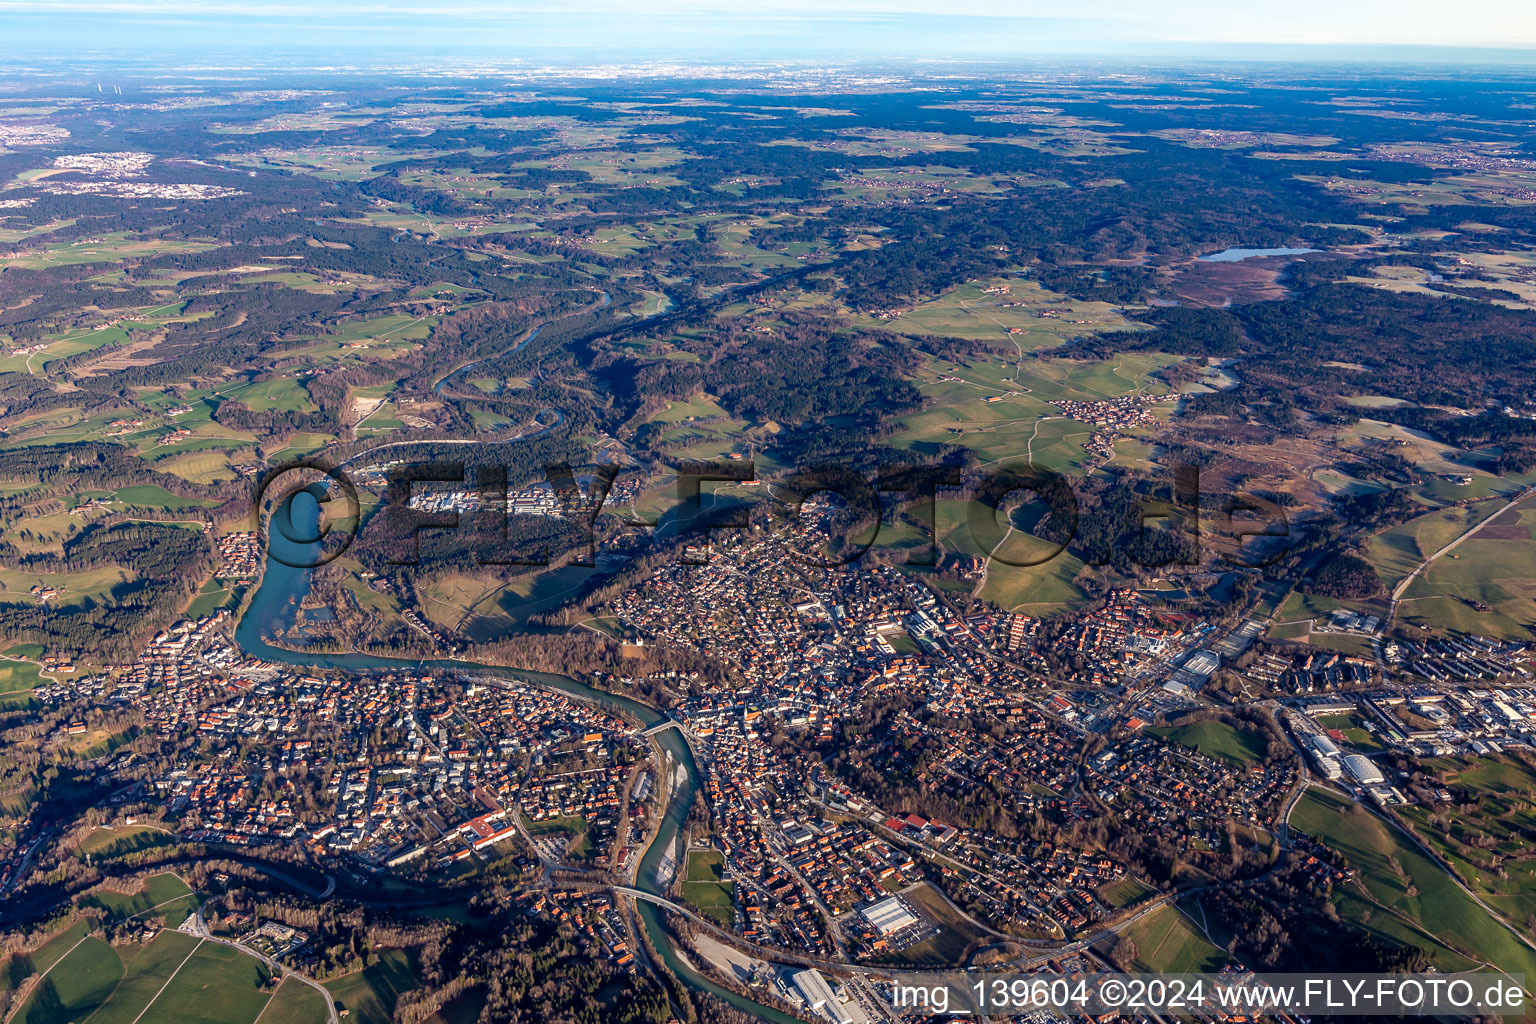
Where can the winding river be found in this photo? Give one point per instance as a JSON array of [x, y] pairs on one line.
[[272, 609]]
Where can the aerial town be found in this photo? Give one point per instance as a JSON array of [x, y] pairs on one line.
[[497, 534]]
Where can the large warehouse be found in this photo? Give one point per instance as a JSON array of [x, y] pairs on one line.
[[818, 996], [889, 916]]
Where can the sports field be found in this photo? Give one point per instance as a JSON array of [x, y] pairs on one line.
[[703, 887]]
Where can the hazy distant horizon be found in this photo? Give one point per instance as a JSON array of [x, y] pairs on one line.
[[1502, 32]]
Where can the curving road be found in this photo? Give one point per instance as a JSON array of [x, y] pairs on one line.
[[195, 925]]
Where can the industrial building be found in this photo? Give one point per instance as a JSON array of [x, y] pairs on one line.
[[889, 916], [810, 986], [1364, 770]]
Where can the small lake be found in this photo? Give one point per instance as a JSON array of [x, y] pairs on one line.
[[1233, 255]]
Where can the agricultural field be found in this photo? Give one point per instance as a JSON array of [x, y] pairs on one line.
[[149, 969], [75, 986], [369, 995], [111, 248], [283, 394], [329, 163], [1456, 190], [1167, 941], [1401, 882], [622, 166], [67, 587], [1488, 836], [1397, 552], [163, 896], [1006, 311], [215, 985], [702, 407], [295, 1003], [1000, 408], [1487, 585], [107, 843], [173, 977]]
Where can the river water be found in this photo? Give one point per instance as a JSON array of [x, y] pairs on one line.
[[272, 609]]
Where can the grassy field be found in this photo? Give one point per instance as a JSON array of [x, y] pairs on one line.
[[1169, 942], [211, 598], [74, 587], [1125, 892], [173, 979], [283, 394], [1216, 739], [1012, 583], [370, 995], [1399, 879], [294, 1003], [21, 965], [153, 496], [701, 407], [147, 973], [1486, 586], [1018, 426], [702, 886], [1044, 319], [106, 843], [75, 987], [1488, 837], [1397, 552], [165, 894], [18, 677], [217, 985], [206, 467]]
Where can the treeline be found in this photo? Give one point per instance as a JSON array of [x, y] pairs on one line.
[[168, 562]]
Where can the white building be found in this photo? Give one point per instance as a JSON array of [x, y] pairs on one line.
[[888, 916], [810, 986], [1364, 770]]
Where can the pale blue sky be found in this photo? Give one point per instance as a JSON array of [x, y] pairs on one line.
[[776, 27]]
